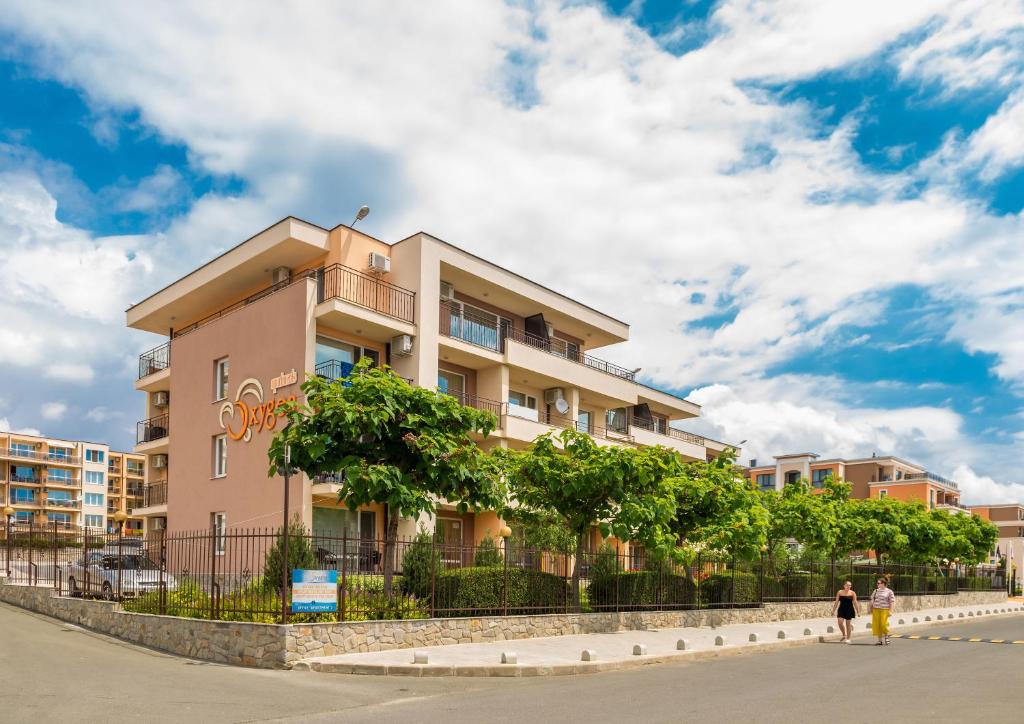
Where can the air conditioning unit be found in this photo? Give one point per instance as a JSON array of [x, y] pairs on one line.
[[447, 291], [379, 263], [551, 329], [159, 462], [281, 275], [401, 345], [553, 395], [161, 398]]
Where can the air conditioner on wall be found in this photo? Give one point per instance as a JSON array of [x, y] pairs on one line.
[[379, 263], [553, 395], [281, 275], [161, 398], [159, 462], [401, 345], [447, 291]]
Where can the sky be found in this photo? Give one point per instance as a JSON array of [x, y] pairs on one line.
[[810, 211]]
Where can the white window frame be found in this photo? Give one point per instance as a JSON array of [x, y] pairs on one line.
[[220, 456], [221, 378], [454, 374], [530, 400], [219, 524]]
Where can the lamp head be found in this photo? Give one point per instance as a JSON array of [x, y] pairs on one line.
[[120, 517], [8, 511], [505, 531]]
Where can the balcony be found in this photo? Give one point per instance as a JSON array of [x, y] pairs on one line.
[[155, 428], [649, 432], [480, 403], [48, 457], [932, 477], [335, 369], [134, 472], [155, 360], [27, 479], [63, 482], [61, 503], [366, 291], [155, 494]]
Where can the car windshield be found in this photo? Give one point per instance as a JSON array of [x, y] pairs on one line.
[[130, 563]]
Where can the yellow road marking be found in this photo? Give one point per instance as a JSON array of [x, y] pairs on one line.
[[997, 641], [1017, 642], [955, 638], [934, 638], [913, 637], [974, 641]]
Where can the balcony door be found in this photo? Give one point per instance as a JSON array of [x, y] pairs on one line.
[[451, 383]]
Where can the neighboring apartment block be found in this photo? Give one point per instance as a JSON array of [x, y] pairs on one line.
[[68, 484], [245, 329], [1009, 518], [873, 477]]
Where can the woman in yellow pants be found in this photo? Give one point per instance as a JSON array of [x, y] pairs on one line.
[[883, 602]]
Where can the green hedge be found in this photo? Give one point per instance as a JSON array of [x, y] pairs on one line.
[[718, 589], [637, 589], [805, 585], [471, 591]]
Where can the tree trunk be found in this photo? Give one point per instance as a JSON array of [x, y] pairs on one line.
[[576, 572], [390, 541]]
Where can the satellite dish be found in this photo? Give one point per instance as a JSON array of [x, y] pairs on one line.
[[562, 405]]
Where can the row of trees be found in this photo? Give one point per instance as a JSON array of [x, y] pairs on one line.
[[408, 447]]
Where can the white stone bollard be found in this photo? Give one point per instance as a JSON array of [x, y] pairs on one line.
[[683, 645], [807, 632], [901, 622], [639, 649], [867, 625], [961, 615], [830, 629], [780, 635], [929, 618], [719, 640], [915, 619], [419, 657], [588, 655], [969, 613], [508, 657], [752, 638]]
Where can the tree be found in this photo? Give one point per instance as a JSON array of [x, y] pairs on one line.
[[300, 555], [394, 444], [718, 509], [620, 489], [882, 522], [965, 537]]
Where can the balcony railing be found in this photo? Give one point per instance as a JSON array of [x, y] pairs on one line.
[[31, 479], [49, 457], [156, 359], [933, 477], [483, 331], [480, 403], [61, 503], [136, 472], [152, 429], [66, 482], [155, 494], [652, 426], [364, 290]]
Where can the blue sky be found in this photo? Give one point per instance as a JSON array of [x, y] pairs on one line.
[[835, 197]]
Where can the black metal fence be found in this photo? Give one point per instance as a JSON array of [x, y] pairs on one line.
[[156, 359], [236, 575], [351, 285]]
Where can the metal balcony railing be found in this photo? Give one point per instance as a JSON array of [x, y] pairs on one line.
[[152, 429], [480, 403], [156, 359], [42, 456], [933, 477], [652, 426], [32, 479], [365, 290], [155, 494]]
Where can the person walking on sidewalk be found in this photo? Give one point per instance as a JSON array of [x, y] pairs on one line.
[[848, 607], [883, 603]]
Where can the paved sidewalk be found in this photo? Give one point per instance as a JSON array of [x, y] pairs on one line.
[[589, 653]]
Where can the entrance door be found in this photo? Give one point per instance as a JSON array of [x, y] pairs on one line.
[[448, 534], [369, 554]]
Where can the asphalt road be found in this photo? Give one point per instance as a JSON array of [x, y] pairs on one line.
[[51, 671]]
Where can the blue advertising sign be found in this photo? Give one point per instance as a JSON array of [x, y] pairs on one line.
[[314, 591]]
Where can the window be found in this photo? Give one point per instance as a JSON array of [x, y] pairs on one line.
[[23, 516], [522, 399], [220, 379], [93, 456], [66, 518], [135, 467], [62, 495], [23, 474], [617, 420], [583, 421], [58, 475], [22, 495], [766, 481], [883, 493], [60, 453], [818, 477], [336, 359], [219, 523], [660, 425], [94, 499], [792, 476], [94, 477], [94, 521], [451, 383], [220, 456], [474, 325]]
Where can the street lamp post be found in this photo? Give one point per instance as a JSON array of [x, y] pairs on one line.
[[8, 515], [505, 533], [120, 517], [284, 534]]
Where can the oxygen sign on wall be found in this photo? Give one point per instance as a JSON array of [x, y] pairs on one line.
[[250, 412]]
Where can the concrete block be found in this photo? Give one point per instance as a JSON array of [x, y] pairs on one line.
[[683, 645], [752, 638], [780, 635], [807, 632], [639, 649], [719, 640], [508, 657], [588, 655], [420, 657]]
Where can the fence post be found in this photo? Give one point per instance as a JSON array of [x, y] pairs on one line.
[[700, 601], [434, 561], [213, 571], [344, 574], [30, 535], [163, 570], [760, 580], [617, 580], [53, 543], [504, 584]]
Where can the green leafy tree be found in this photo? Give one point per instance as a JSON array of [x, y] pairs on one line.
[[401, 446], [620, 489], [968, 538], [882, 522], [487, 554], [300, 555]]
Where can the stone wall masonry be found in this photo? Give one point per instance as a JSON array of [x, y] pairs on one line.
[[276, 646]]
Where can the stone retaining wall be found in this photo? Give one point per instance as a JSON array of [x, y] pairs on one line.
[[276, 646]]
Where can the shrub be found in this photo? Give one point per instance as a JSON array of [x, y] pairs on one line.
[[300, 555], [806, 585], [487, 554], [468, 591], [604, 564], [639, 589], [730, 587], [188, 600], [420, 565]]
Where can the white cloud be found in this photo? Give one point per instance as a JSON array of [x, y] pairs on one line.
[[53, 410], [69, 372], [5, 426], [980, 489]]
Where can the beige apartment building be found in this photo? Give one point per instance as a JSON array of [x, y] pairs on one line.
[[1009, 518], [245, 329], [874, 477], [69, 484]]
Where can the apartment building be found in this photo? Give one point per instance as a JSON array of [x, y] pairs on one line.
[[245, 329], [69, 484], [1009, 518], [874, 477]]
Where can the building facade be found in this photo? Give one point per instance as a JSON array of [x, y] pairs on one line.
[[244, 330], [69, 484], [874, 477], [1009, 518]]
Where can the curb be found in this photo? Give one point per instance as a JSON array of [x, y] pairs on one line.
[[594, 667]]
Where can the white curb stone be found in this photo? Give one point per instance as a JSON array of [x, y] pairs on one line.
[[508, 657], [719, 640], [781, 635], [639, 649], [588, 655], [752, 638], [683, 645]]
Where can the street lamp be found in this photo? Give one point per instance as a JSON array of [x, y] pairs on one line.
[[8, 515], [120, 517]]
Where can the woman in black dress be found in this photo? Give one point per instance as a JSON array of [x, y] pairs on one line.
[[848, 607]]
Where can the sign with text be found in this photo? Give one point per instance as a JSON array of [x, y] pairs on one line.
[[314, 591]]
